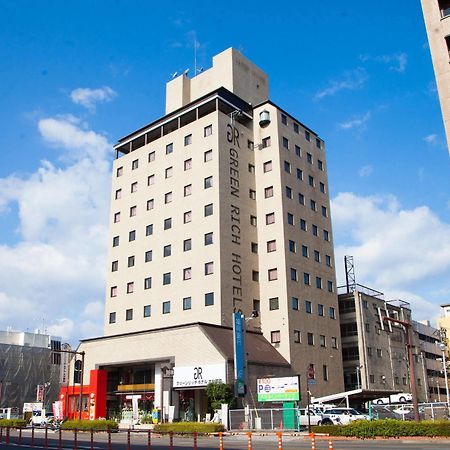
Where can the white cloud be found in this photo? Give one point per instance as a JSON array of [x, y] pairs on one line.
[[365, 171], [357, 122], [351, 80], [56, 272], [431, 139], [397, 61], [395, 249], [90, 97]]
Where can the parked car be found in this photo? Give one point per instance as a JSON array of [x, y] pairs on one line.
[[314, 417], [41, 418], [342, 416], [402, 397]]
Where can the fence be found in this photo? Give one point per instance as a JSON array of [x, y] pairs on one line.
[[404, 411], [264, 419]]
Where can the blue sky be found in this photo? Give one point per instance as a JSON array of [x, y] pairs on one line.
[[76, 76]]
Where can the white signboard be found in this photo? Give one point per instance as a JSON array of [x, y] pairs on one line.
[[30, 407], [278, 389], [199, 376]]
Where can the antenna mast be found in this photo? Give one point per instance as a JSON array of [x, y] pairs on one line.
[[350, 279]]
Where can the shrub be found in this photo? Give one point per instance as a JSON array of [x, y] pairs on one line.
[[13, 423], [86, 425], [387, 428], [189, 427]]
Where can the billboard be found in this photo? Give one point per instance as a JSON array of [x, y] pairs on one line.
[[239, 353], [278, 389]]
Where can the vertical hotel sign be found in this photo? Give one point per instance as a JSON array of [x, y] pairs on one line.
[[239, 353]]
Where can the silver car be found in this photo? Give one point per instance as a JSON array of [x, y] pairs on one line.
[[342, 416]]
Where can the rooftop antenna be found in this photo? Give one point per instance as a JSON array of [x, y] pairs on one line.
[[195, 57], [350, 279], [174, 74]]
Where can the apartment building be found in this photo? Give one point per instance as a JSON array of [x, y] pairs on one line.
[[220, 205], [437, 21]]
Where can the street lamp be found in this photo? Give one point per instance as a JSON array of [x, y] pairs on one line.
[[443, 348]]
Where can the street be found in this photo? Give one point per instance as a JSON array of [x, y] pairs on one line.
[[139, 440]]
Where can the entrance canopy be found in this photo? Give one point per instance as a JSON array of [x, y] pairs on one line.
[[355, 396]]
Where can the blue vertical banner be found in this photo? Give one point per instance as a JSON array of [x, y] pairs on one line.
[[239, 353]]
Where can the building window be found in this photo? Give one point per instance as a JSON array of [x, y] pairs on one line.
[[168, 223], [187, 217], [250, 145], [313, 205], [167, 278], [130, 287], [265, 142], [132, 235], [295, 303], [113, 291], [148, 283], [323, 340], [310, 338], [131, 261], [324, 211], [129, 314], [369, 351], [114, 266], [318, 283], [301, 199], [168, 197], [286, 143], [187, 273], [166, 307], [297, 337], [207, 156], [320, 310], [303, 224], [255, 275], [208, 182], [187, 303], [167, 251], [365, 304], [119, 171], [275, 337], [379, 353], [207, 131], [308, 136], [444, 6], [319, 164], [150, 204], [328, 260], [287, 166], [274, 304], [208, 238], [322, 187], [306, 279], [332, 312], [270, 218], [150, 180], [326, 235], [288, 192], [147, 310], [290, 219], [256, 305], [268, 192], [117, 217], [116, 240], [253, 221], [334, 342], [188, 164], [325, 372], [151, 157], [209, 299], [296, 128], [305, 252], [149, 230], [308, 307], [251, 168], [118, 194], [267, 166], [330, 286], [169, 148], [317, 256], [311, 180], [112, 317], [209, 268], [294, 274], [315, 230], [169, 172], [187, 190], [188, 140], [187, 245], [271, 246], [298, 151], [272, 274], [309, 158], [292, 246], [135, 164], [254, 247], [208, 210], [252, 194], [134, 187], [283, 119]]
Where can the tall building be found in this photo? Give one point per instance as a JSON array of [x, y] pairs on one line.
[[220, 205], [437, 21]]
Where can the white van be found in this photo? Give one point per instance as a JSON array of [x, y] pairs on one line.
[[314, 417]]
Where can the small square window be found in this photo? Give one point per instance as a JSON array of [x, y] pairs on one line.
[[187, 190], [311, 180], [267, 166], [116, 240], [313, 205], [309, 158], [151, 157], [295, 303], [150, 204], [320, 164], [148, 283], [208, 182], [294, 274], [256, 305], [275, 337], [324, 211], [318, 143], [274, 304], [296, 128], [254, 247], [316, 256], [147, 310], [318, 282], [187, 303], [315, 230], [130, 287], [334, 342], [271, 246], [187, 217], [132, 235], [118, 194], [129, 314], [117, 217], [299, 174], [272, 274], [166, 307], [306, 279], [149, 230], [167, 278], [188, 164], [287, 167], [252, 194], [135, 164], [131, 260], [298, 151], [268, 192], [113, 291], [310, 339], [301, 199], [187, 273], [208, 238], [326, 235], [187, 245], [250, 145], [270, 218], [209, 299], [150, 180], [322, 187], [303, 224], [208, 210], [308, 307], [292, 246], [188, 140], [330, 286], [308, 136], [305, 252], [114, 266], [148, 255], [253, 221], [168, 223], [297, 336], [119, 171], [255, 275], [209, 268], [134, 187], [286, 143], [290, 219], [332, 312], [283, 119], [112, 317], [169, 172], [320, 310], [328, 260], [207, 131], [169, 148], [288, 192], [208, 156], [168, 197], [167, 250], [265, 142], [251, 168]]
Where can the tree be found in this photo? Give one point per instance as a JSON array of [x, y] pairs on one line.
[[219, 393]]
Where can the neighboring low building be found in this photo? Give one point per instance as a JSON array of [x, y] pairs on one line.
[[374, 349], [443, 324], [29, 368]]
